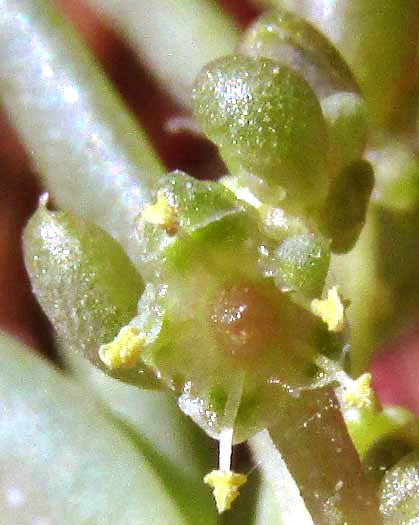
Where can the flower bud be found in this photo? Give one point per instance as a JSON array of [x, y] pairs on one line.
[[88, 288], [399, 492], [346, 205], [267, 122], [302, 263], [291, 40]]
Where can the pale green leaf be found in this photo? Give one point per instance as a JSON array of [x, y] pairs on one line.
[[63, 460]]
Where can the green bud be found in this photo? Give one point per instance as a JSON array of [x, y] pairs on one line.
[[267, 121], [346, 119], [292, 41], [399, 492], [85, 283], [301, 263], [188, 217], [346, 205]]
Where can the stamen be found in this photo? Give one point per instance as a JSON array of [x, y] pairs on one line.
[[331, 310], [162, 214], [360, 394], [124, 350], [226, 486], [225, 482], [352, 392]]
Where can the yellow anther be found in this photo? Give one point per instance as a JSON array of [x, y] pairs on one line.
[[226, 484], [360, 393], [162, 214], [331, 310], [124, 350]]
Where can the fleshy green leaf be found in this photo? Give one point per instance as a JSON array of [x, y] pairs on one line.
[[65, 461]]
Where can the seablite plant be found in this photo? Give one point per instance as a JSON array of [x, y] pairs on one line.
[[241, 309]]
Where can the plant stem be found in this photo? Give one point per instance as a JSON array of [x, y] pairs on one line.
[[290, 505], [86, 146], [175, 37], [319, 453], [357, 271]]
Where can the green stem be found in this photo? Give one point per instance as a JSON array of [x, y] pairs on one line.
[[175, 37], [86, 146], [290, 508], [319, 453], [356, 272]]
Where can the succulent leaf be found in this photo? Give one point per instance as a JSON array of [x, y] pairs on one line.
[[65, 460]]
